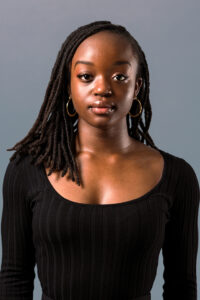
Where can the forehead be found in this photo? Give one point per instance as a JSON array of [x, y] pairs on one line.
[[104, 45]]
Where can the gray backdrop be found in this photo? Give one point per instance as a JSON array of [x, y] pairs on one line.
[[168, 31]]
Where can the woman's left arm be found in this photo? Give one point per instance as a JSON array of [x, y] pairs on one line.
[[181, 238]]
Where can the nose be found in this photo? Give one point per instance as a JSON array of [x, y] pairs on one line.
[[103, 88]]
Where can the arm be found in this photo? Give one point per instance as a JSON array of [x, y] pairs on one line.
[[18, 256], [181, 238]]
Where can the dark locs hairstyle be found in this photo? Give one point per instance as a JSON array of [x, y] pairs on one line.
[[51, 140]]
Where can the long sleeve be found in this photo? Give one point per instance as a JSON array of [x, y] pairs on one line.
[[181, 238], [18, 256]]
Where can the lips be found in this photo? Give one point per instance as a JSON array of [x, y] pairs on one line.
[[102, 110], [101, 105]]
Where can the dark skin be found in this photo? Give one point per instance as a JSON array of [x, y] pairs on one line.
[[114, 167]]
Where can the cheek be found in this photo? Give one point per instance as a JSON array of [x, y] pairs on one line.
[[126, 91], [78, 92], [78, 89], [126, 95]]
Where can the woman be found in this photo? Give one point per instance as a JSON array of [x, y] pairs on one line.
[[84, 198]]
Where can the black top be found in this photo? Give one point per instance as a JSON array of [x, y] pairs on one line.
[[99, 251]]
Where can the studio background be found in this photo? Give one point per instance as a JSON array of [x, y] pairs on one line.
[[31, 35]]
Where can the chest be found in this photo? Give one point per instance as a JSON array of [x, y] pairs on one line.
[[106, 182]]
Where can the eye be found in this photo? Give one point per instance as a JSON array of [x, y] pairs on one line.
[[85, 75], [121, 75]]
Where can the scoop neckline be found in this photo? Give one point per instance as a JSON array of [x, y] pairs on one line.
[[127, 202]]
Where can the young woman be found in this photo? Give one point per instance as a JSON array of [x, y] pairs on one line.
[[84, 198]]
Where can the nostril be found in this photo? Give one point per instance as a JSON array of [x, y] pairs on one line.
[[107, 93]]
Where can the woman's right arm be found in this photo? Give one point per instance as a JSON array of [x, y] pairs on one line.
[[18, 254]]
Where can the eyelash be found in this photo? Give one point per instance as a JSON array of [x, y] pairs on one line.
[[80, 76]]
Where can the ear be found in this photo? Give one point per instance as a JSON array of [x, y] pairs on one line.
[[68, 79], [138, 85], [68, 90]]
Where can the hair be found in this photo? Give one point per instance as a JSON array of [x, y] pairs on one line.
[[51, 140]]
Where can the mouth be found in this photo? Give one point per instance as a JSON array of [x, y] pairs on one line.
[[102, 106], [102, 110]]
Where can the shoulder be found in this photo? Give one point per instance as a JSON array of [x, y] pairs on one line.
[[17, 165], [156, 155], [20, 174], [185, 179], [179, 170], [181, 166]]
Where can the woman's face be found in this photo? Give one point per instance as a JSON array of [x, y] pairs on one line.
[[103, 62]]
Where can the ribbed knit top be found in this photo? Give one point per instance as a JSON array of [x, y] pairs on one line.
[[99, 251]]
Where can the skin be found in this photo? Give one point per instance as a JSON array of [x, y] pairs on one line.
[[114, 167], [104, 135]]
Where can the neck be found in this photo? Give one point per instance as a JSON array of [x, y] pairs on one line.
[[103, 141]]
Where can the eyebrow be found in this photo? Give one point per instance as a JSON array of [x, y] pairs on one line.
[[117, 63]]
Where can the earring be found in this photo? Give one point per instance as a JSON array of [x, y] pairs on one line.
[[67, 105], [133, 116]]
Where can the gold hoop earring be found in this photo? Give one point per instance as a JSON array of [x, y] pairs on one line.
[[133, 116], [67, 108]]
